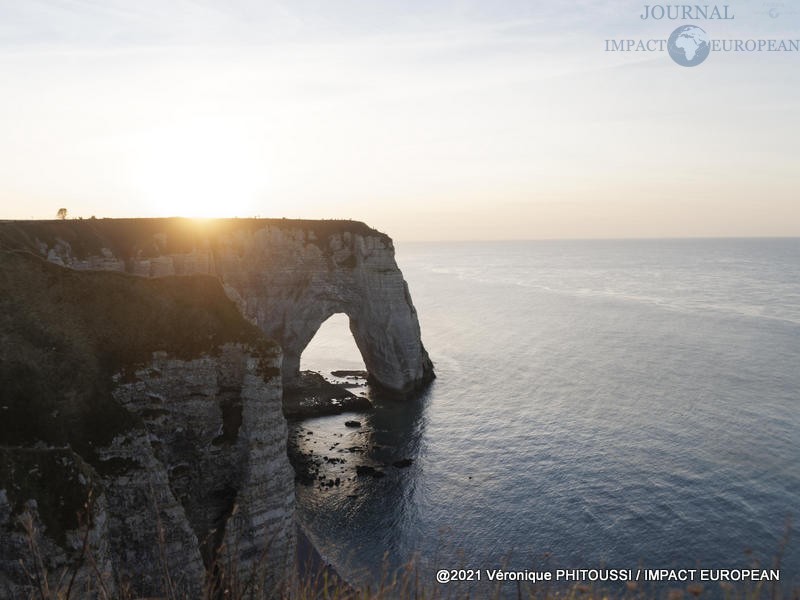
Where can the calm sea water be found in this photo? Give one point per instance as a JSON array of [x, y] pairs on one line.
[[616, 403]]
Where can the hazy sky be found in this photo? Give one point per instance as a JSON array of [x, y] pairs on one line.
[[427, 119]]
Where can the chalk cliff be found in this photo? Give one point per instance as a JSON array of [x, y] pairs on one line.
[[287, 276], [142, 444]]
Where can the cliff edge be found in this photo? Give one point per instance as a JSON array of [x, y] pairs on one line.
[[286, 276]]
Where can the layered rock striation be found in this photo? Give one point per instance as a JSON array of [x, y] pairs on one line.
[[286, 276], [142, 444]]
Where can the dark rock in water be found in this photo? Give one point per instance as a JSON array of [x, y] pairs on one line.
[[354, 424], [402, 464], [350, 374], [311, 395], [371, 471]]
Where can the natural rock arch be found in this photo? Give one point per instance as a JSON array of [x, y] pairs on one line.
[[309, 280], [286, 276]]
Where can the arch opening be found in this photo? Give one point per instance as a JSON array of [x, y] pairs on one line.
[[331, 378], [332, 348]]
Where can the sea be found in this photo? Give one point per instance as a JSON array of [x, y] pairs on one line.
[[618, 405]]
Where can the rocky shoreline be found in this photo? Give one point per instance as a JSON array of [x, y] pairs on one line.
[[311, 395], [336, 457], [331, 443]]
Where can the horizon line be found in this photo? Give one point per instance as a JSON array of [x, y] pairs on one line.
[[432, 240]]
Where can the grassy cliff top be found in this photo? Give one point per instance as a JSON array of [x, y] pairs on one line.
[[127, 237], [65, 333]]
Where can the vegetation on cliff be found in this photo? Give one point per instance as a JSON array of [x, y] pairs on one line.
[[65, 334], [128, 238]]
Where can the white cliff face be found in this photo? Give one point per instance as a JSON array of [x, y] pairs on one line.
[[289, 282], [216, 442], [288, 278], [204, 482], [143, 437]]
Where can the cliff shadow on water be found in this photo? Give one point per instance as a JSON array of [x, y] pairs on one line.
[[363, 468]]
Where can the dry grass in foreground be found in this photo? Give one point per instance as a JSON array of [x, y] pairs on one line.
[[316, 581]]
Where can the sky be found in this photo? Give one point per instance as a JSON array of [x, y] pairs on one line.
[[429, 120]]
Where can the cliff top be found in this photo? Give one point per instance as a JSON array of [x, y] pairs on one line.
[[126, 237]]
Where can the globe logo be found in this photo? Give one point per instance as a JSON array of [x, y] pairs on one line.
[[689, 45]]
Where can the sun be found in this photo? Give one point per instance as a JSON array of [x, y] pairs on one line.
[[200, 171]]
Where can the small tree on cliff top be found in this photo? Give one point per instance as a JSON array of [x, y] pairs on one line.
[[61, 213]]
